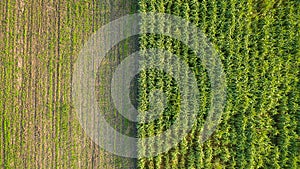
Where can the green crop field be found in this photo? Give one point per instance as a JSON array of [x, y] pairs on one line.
[[39, 43], [258, 43]]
